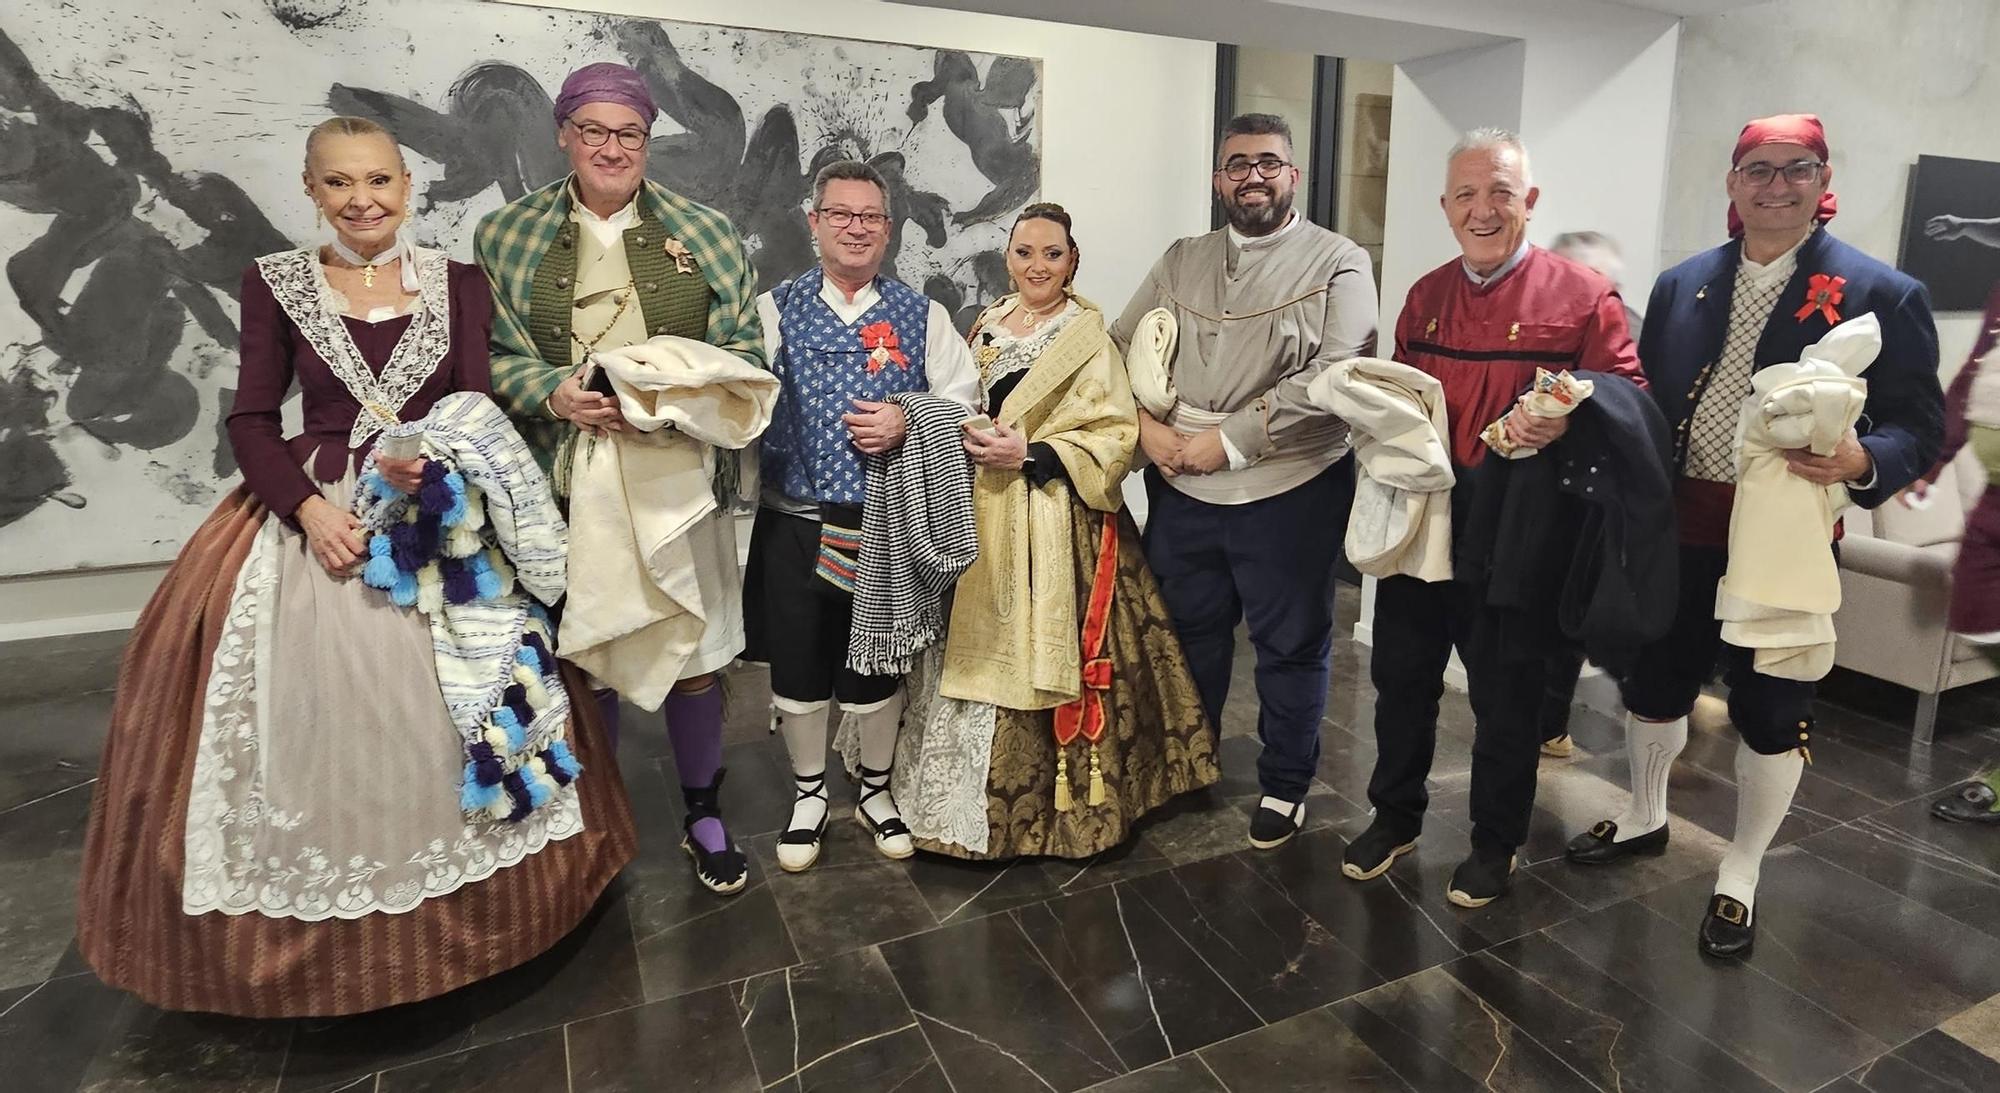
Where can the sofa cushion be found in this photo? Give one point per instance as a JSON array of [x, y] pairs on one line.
[[1940, 521]]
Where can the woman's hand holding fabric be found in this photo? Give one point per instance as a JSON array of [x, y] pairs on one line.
[[333, 534], [1003, 449]]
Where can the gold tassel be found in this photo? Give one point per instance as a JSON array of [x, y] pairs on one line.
[[1096, 779], [1062, 782]]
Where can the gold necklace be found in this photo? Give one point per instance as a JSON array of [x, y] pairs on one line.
[[624, 301]]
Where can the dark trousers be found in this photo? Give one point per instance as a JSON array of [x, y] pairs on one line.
[[800, 619], [1561, 671], [1268, 563], [1416, 626], [1773, 715]]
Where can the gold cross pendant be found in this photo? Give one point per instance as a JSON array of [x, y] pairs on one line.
[[368, 276]]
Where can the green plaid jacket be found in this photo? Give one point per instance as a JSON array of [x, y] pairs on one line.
[[510, 244]]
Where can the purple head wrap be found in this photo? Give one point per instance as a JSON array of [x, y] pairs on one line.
[[606, 81]]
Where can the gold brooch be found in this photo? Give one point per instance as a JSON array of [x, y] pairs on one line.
[[1431, 327], [682, 256], [1514, 333]]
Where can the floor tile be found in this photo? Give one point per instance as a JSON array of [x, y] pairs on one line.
[[1914, 869], [51, 824], [1136, 858], [1376, 920], [52, 744], [1269, 951], [853, 897], [997, 1018], [37, 915], [1424, 874], [957, 890], [1187, 1074], [537, 1061], [1932, 1063], [838, 1023], [1435, 1033], [152, 1051], [1595, 1025], [1307, 1053], [1837, 939], [51, 1033], [687, 937], [1978, 1028], [1785, 1038], [1147, 991], [689, 1042]]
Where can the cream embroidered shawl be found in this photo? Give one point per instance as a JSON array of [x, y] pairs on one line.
[[1013, 639]]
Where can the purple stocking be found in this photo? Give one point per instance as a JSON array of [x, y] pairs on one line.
[[694, 727]]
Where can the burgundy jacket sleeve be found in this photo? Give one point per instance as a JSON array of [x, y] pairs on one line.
[[1607, 341], [472, 330], [256, 426]]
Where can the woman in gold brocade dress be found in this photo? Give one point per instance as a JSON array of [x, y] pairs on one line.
[[1060, 708]]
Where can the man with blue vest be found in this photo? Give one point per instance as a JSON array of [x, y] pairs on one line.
[[843, 339]]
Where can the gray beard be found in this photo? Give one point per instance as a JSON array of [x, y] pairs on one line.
[[1260, 219]]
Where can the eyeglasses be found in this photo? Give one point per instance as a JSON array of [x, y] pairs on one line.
[[1799, 172], [840, 218], [1236, 170], [632, 140]]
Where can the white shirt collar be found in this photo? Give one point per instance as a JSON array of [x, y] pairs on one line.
[[1779, 268], [620, 220], [1242, 240], [1506, 267]]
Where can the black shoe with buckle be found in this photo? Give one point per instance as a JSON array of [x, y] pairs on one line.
[[1728, 931], [724, 871], [1600, 845], [1270, 828], [1481, 879], [1377, 848]]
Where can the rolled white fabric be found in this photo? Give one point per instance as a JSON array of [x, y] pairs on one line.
[[1150, 361]]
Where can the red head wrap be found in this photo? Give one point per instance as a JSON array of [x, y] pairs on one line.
[[1801, 129]]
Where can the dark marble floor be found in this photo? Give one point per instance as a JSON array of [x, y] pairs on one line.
[[1182, 962]]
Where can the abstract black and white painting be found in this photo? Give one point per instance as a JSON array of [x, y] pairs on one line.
[[1951, 230], [149, 152]]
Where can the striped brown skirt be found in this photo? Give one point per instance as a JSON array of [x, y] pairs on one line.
[[132, 928]]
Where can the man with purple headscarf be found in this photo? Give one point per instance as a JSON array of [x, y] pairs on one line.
[[599, 261]]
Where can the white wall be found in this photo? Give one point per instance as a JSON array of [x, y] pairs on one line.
[[1126, 125], [1891, 79], [1591, 98]]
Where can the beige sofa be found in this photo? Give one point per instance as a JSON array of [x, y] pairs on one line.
[[1895, 580]]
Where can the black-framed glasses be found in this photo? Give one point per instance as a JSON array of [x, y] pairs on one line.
[[1236, 170], [839, 219], [1799, 172], [594, 135]]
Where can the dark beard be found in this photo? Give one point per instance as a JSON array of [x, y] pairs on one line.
[[1259, 220]]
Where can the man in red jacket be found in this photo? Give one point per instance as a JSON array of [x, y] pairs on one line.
[[1481, 323]]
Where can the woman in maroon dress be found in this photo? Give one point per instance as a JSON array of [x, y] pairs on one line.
[[276, 829]]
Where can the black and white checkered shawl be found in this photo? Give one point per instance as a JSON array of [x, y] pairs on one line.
[[917, 536]]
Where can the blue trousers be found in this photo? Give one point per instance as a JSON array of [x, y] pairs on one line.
[[1268, 563]]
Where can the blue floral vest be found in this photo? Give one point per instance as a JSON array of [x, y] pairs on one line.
[[806, 452]]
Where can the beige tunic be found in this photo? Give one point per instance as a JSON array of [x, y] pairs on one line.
[[1258, 321], [602, 278]]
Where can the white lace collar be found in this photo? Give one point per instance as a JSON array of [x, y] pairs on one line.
[[301, 288]]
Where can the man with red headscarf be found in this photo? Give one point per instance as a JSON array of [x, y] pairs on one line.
[[1777, 287]]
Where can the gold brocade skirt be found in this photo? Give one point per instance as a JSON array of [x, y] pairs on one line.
[[1157, 742]]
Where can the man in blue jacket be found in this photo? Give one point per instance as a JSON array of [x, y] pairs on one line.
[[1775, 288]]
